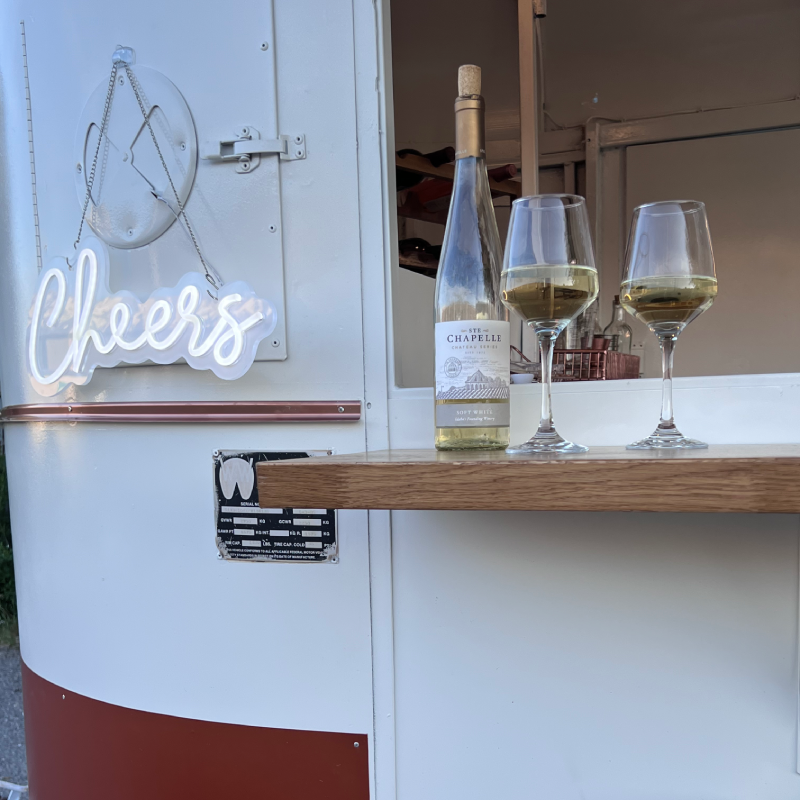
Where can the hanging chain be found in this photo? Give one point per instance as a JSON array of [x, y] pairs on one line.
[[103, 124], [212, 276]]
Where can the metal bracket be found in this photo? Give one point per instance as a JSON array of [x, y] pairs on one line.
[[246, 150]]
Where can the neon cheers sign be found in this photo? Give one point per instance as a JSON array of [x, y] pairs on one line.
[[76, 324]]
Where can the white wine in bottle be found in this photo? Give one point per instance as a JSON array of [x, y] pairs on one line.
[[472, 331]]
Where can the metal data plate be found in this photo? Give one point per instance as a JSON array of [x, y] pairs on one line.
[[246, 532]]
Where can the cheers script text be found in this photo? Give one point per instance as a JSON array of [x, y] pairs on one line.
[[77, 324]]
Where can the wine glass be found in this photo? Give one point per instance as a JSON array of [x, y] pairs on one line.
[[669, 280], [548, 279]]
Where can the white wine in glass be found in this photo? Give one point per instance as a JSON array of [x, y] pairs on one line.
[[548, 279], [669, 280], [549, 296]]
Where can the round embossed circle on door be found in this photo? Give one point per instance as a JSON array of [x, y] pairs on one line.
[[132, 202]]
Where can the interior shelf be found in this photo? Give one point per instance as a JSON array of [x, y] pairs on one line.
[[421, 165], [724, 478]]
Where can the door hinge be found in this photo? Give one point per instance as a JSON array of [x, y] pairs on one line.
[[246, 150]]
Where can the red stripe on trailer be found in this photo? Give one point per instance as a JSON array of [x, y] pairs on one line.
[[84, 749]]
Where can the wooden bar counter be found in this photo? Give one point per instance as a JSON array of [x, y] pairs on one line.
[[724, 478]]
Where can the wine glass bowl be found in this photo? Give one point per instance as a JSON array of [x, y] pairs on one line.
[[669, 280], [548, 279]]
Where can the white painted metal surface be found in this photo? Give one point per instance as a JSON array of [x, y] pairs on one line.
[[612, 656], [122, 596]]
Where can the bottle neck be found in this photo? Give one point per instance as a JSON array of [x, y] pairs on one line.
[[470, 136]]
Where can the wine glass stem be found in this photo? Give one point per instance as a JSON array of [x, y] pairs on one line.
[[546, 343], [667, 422]]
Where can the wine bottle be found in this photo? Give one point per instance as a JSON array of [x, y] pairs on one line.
[[471, 328], [618, 331]]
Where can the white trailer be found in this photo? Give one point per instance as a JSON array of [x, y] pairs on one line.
[[420, 651]]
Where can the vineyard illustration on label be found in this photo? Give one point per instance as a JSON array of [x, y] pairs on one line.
[[476, 387]]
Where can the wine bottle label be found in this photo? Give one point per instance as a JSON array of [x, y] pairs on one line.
[[472, 374]]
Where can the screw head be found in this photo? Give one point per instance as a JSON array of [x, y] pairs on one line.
[[340, 409], [298, 153], [69, 408], [298, 139], [272, 228], [276, 342], [265, 45], [355, 744]]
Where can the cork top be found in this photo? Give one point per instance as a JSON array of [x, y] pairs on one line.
[[469, 80]]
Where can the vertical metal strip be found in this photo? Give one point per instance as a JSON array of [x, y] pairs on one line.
[[593, 181], [30, 146], [528, 98], [529, 136], [797, 662], [569, 177]]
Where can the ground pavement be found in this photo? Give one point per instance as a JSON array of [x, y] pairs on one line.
[[12, 728]]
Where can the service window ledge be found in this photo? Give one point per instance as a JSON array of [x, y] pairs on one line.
[[724, 478]]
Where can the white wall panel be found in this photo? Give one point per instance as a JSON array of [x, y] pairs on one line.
[[122, 596], [611, 656]]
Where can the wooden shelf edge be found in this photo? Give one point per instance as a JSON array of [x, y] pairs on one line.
[[741, 479], [422, 166]]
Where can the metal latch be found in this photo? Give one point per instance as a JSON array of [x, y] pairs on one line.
[[246, 150]]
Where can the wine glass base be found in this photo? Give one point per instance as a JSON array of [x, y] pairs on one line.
[[660, 441], [552, 443]]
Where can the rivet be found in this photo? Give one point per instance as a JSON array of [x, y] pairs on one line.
[[369, 405], [79, 167], [121, 81], [124, 156], [69, 408], [183, 145], [265, 45], [272, 229], [130, 231], [276, 342], [340, 409], [298, 139], [299, 153], [355, 744]]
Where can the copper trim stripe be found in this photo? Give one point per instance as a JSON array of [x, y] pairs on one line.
[[219, 411]]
